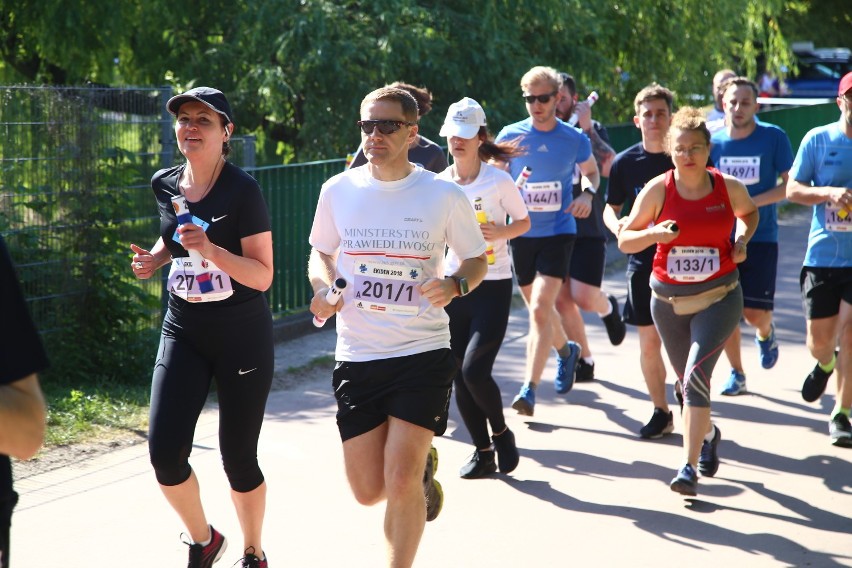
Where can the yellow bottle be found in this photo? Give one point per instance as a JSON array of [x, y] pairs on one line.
[[482, 219]]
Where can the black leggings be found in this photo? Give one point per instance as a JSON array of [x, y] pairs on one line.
[[477, 327], [236, 348]]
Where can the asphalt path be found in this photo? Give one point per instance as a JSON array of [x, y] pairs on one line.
[[587, 492]]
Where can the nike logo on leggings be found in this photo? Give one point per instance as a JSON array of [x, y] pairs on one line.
[[246, 372]]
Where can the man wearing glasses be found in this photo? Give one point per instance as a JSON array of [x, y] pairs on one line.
[[822, 176], [543, 255], [383, 228]]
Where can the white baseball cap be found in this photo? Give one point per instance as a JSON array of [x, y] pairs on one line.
[[463, 119]]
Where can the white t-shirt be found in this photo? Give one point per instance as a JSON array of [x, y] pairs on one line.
[[500, 197], [388, 238]]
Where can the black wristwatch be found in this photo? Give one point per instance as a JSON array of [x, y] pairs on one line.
[[461, 281]]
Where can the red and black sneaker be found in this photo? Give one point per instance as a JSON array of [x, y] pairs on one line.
[[204, 556]]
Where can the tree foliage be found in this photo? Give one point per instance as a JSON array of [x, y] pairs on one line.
[[296, 70]]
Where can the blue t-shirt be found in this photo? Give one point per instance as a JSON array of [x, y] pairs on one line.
[[825, 159], [757, 161], [552, 156]]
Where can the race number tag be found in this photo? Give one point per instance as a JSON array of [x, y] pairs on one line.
[[837, 219], [543, 196], [184, 281], [692, 264], [387, 288], [744, 168]]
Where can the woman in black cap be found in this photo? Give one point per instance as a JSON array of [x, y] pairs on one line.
[[215, 235]]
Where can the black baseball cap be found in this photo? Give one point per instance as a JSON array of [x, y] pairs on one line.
[[207, 95]]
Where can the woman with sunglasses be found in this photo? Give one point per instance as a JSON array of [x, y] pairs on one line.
[[478, 321], [215, 234], [689, 213]]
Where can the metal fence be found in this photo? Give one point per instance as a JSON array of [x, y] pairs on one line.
[[75, 164]]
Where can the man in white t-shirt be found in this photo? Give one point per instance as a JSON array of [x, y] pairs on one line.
[[383, 228]]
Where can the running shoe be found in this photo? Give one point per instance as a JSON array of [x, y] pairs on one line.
[[204, 556], [815, 382], [686, 481], [507, 451], [615, 328], [768, 349], [431, 488], [708, 461], [481, 464], [524, 403], [585, 371], [840, 431], [252, 561], [661, 423], [566, 368], [736, 384]]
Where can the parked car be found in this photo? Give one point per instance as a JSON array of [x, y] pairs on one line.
[[819, 70]]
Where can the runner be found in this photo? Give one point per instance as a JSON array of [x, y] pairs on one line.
[[689, 212], [757, 154], [478, 321], [383, 228], [542, 256], [822, 176], [218, 324], [630, 171]]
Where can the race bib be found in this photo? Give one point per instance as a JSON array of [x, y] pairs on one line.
[[387, 288], [744, 168], [692, 264], [837, 219], [204, 283], [543, 196]]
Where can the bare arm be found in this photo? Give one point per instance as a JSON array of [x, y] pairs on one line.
[[636, 235], [22, 418], [806, 194], [441, 291], [774, 195]]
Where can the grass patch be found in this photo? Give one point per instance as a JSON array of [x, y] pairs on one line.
[[91, 411]]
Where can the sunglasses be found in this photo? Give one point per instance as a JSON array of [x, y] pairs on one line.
[[384, 126], [543, 99]]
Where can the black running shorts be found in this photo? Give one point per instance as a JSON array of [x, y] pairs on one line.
[[415, 388]]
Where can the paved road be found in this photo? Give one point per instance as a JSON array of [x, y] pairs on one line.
[[587, 492]]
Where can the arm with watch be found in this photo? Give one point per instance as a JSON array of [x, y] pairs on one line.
[[470, 273], [581, 207]]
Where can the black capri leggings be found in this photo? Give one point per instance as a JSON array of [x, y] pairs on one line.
[[477, 327], [235, 346]]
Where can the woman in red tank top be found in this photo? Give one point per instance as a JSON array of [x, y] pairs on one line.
[[689, 213]]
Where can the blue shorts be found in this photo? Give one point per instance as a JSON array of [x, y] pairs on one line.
[[588, 261], [757, 276], [550, 256]]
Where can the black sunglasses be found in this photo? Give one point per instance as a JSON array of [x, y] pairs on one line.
[[384, 126], [543, 99]]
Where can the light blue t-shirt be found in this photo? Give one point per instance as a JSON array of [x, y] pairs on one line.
[[825, 159], [757, 161], [552, 156]]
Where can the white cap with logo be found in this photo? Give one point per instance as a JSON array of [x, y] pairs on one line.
[[463, 119]]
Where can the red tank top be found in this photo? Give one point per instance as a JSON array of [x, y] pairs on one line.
[[702, 250]]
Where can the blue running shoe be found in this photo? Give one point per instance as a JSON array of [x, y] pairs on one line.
[[736, 384], [708, 460], [768, 349], [566, 369], [686, 481], [524, 403]]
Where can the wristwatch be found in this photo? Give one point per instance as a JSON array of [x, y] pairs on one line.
[[461, 282]]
